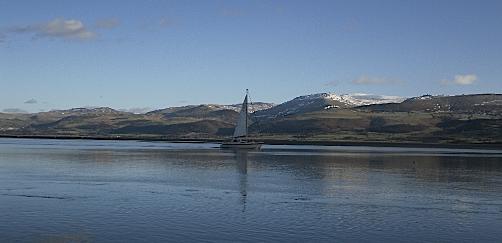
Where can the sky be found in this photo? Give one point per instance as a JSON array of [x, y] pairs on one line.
[[145, 54]]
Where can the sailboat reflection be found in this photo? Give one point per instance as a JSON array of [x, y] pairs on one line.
[[241, 158]]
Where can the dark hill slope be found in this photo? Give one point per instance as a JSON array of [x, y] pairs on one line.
[[478, 104], [198, 112], [198, 128]]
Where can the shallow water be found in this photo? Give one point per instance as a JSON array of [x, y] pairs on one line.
[[116, 191]]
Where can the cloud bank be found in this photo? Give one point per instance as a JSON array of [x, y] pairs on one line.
[[70, 29], [459, 79]]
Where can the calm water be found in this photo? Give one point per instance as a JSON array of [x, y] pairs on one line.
[[104, 191]]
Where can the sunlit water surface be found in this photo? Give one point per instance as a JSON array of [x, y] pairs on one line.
[[120, 191]]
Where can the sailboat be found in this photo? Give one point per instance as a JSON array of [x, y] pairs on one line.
[[240, 137]]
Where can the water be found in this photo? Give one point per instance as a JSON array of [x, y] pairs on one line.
[[120, 191]]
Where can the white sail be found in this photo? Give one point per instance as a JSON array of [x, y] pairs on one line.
[[240, 140], [241, 130]]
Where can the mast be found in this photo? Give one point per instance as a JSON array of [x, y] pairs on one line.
[[247, 114]]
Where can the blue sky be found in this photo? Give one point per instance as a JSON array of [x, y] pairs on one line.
[[155, 54]]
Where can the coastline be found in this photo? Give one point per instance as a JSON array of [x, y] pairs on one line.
[[493, 146]]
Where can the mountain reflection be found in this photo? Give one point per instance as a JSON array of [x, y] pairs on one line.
[[130, 189], [328, 170], [241, 159]]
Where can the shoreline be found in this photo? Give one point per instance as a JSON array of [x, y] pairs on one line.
[[491, 146]]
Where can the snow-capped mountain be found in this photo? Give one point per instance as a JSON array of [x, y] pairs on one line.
[[207, 109], [360, 99], [87, 110], [255, 106], [475, 117], [79, 112], [477, 103], [324, 101]]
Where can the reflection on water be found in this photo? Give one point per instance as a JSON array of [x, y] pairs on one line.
[[57, 190], [241, 159]]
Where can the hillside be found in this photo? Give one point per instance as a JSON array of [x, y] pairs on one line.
[[324, 101], [205, 109], [318, 117], [478, 104]]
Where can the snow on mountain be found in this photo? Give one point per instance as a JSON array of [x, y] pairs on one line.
[[84, 110], [202, 109], [325, 101], [475, 103], [256, 106], [359, 99]]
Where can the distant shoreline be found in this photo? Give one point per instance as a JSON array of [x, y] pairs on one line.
[[494, 146]]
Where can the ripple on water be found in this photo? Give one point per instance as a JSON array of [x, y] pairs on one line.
[[164, 192]]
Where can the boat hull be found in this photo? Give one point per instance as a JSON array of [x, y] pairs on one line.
[[240, 145]]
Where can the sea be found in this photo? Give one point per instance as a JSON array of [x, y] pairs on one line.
[[135, 191]]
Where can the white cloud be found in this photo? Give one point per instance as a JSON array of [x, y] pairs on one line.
[[74, 29], [459, 79], [373, 80], [57, 28]]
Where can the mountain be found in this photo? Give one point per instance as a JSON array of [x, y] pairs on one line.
[[324, 101], [203, 128], [13, 121], [253, 107], [98, 120], [195, 111], [207, 110], [318, 117], [478, 103], [431, 119], [194, 120]]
